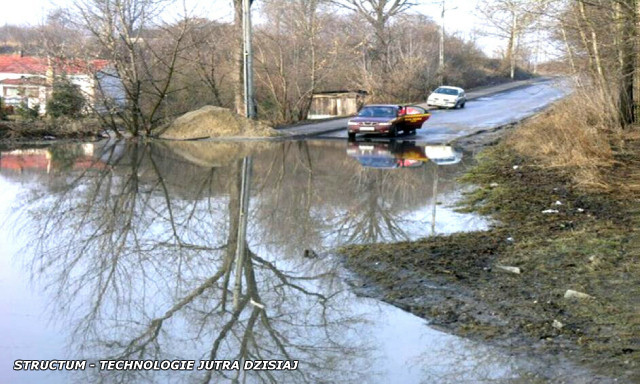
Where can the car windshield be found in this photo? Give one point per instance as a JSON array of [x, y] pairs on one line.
[[446, 91], [377, 112]]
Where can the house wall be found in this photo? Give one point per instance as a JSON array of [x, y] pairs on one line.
[[86, 85], [105, 84], [41, 99], [109, 89]]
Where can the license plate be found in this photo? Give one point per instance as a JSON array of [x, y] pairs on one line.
[[367, 129]]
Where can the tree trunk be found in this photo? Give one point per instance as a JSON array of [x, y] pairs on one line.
[[569, 51], [594, 48], [627, 37]]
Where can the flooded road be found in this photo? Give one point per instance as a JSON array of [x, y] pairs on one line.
[[483, 113], [140, 252]]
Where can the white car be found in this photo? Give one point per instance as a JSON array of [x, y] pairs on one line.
[[447, 97]]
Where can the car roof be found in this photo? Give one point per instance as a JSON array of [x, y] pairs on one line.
[[381, 105], [451, 87]]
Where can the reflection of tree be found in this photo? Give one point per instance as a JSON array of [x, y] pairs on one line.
[[151, 274], [288, 191], [372, 218]]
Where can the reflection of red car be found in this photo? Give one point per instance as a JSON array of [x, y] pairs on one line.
[[387, 119], [387, 155], [401, 154]]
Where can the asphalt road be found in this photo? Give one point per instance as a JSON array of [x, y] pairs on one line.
[[481, 114]]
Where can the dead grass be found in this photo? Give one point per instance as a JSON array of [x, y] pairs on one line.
[[576, 135], [581, 137]]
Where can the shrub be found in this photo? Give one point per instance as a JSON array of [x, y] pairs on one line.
[[28, 113], [66, 100], [3, 111]]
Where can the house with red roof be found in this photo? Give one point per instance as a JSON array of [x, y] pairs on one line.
[[28, 80]]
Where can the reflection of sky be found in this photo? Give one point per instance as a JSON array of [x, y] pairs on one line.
[[448, 221], [26, 330]]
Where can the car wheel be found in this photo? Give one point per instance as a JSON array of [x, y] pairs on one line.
[[462, 105], [352, 136]]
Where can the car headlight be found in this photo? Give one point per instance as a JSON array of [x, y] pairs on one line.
[[352, 123], [385, 124]]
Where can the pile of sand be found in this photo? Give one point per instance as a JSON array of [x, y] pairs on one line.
[[211, 122]]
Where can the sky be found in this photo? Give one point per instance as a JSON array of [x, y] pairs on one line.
[[460, 16]]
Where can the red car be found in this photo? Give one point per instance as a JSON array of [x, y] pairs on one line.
[[387, 119]]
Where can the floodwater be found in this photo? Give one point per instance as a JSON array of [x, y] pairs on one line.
[[130, 252]]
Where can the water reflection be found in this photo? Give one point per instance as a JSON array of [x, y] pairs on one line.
[[401, 154], [145, 254]]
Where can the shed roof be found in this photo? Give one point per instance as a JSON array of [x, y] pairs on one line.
[[337, 92]]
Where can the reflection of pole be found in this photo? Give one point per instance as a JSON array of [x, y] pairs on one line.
[[242, 228], [248, 59], [435, 199], [245, 183]]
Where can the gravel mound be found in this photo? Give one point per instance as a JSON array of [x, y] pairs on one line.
[[211, 122]]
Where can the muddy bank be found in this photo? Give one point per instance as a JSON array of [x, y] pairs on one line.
[[50, 129], [558, 237]]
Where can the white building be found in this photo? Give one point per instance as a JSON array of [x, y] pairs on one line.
[[29, 79]]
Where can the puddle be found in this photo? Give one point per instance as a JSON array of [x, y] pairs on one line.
[[131, 252]]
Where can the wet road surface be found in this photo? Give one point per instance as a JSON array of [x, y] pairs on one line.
[[482, 114]]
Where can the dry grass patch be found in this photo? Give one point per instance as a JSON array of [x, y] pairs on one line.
[[575, 135]]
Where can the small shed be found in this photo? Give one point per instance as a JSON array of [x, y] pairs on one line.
[[335, 103]]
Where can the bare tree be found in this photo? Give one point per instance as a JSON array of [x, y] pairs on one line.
[[628, 25], [294, 54], [143, 51], [378, 14], [511, 20], [600, 38]]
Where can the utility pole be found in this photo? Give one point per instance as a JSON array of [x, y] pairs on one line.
[[441, 58], [249, 101]]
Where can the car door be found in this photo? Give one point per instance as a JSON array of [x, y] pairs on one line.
[[415, 116]]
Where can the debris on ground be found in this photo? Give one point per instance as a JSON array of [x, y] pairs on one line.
[[571, 294]]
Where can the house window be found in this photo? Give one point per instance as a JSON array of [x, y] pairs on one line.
[[31, 92], [11, 92]]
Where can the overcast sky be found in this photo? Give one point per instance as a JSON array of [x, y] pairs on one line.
[[460, 17]]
